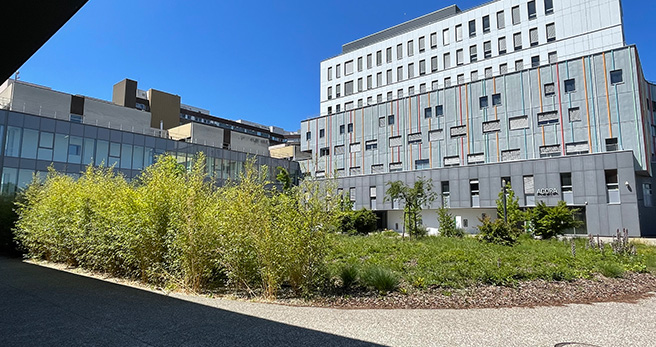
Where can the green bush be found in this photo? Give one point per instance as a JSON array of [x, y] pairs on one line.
[[381, 279], [447, 223], [348, 275], [497, 231], [549, 222], [360, 222], [610, 270]]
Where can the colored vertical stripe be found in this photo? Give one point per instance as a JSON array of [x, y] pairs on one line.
[[560, 107], [610, 122], [587, 104]]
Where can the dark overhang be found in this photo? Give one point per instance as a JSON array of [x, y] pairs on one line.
[[27, 25]]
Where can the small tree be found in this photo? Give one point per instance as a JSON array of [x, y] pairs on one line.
[[549, 222], [516, 216], [415, 198], [447, 223]]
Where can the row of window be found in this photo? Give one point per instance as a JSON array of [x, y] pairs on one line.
[[350, 89], [446, 36]]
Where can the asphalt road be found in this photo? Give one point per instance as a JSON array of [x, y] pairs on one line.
[[45, 307]]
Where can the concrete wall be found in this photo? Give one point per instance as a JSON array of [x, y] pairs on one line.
[[248, 143], [467, 219], [40, 101], [164, 108], [106, 114]]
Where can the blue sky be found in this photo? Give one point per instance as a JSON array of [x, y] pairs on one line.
[[250, 60]]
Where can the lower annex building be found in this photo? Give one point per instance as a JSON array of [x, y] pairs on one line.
[[576, 124]]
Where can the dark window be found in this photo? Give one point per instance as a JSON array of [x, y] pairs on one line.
[[341, 129], [616, 77], [390, 119], [308, 135], [350, 127], [324, 152], [472, 28], [428, 112], [532, 12], [486, 24], [439, 110], [548, 7], [483, 102], [611, 144], [570, 85], [322, 133], [496, 99], [535, 61]]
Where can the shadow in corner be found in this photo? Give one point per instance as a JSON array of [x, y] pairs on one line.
[[46, 307]]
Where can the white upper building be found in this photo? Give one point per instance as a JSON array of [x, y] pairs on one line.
[[450, 47]]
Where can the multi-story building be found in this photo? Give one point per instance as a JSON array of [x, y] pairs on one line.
[[544, 94], [40, 127]]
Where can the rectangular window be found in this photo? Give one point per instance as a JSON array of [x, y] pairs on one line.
[[389, 76], [338, 91], [474, 76], [355, 147], [411, 48], [348, 68], [359, 64], [570, 85], [647, 194], [390, 119], [308, 136], [411, 90], [330, 73], [533, 37], [411, 70], [488, 72], [330, 93], [460, 57], [548, 7], [517, 41], [473, 54], [447, 82], [433, 40], [322, 133], [519, 65], [574, 148], [566, 187], [472, 28], [491, 126], [379, 98], [371, 145], [422, 44], [612, 187], [458, 131], [501, 20], [486, 24], [551, 32], [487, 49], [553, 57], [616, 77], [445, 37], [337, 108], [549, 89], [342, 129], [388, 54], [399, 93], [434, 85], [379, 58], [422, 164], [535, 61], [399, 51], [474, 191], [359, 102], [348, 106], [515, 15], [517, 123], [435, 135], [549, 151], [348, 88], [369, 82], [399, 73], [532, 11], [428, 112], [510, 155], [446, 193], [447, 60], [461, 78], [369, 61], [434, 63], [395, 141], [74, 118], [458, 31], [350, 127], [574, 114], [414, 138], [422, 67], [502, 45], [549, 117], [529, 191], [483, 102], [496, 100], [503, 69], [611, 144], [360, 87], [338, 71], [389, 96]]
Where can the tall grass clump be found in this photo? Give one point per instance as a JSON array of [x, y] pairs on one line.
[[381, 279], [173, 225]]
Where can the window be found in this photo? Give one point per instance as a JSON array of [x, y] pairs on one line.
[[458, 131], [447, 60], [511, 154], [548, 117], [447, 82], [338, 91], [517, 123], [411, 90], [379, 79], [330, 73], [445, 37], [371, 145], [395, 141], [355, 147], [389, 76], [535, 61], [551, 32], [549, 89], [352, 194], [399, 93], [389, 96], [379, 98], [439, 110], [359, 64], [474, 191], [483, 102], [491, 126], [370, 100], [381, 121], [472, 28], [519, 65], [487, 49], [517, 41], [502, 45], [532, 12], [422, 44], [399, 51], [308, 136], [566, 187], [322, 133], [388, 54], [553, 57], [75, 118], [342, 129], [369, 82], [348, 88], [360, 84], [372, 197], [390, 119], [549, 151], [330, 110], [379, 58], [422, 164], [422, 67], [496, 100], [612, 187], [337, 108], [458, 31], [434, 64], [616, 77], [473, 56], [434, 85], [570, 85], [411, 48], [399, 73], [330, 93], [488, 72], [611, 144], [461, 78], [460, 57], [348, 68], [411, 70], [338, 71], [486, 24], [548, 7], [529, 191], [433, 40], [369, 61], [360, 103], [474, 76], [414, 138], [515, 15], [647, 194], [574, 114], [350, 127], [501, 20], [445, 194], [324, 151], [533, 37], [428, 112], [503, 69]]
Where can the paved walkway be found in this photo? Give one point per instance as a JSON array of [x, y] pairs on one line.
[[45, 307]]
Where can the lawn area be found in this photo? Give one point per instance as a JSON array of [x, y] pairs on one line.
[[457, 263]]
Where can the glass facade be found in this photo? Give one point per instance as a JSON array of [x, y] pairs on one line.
[[32, 143]]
